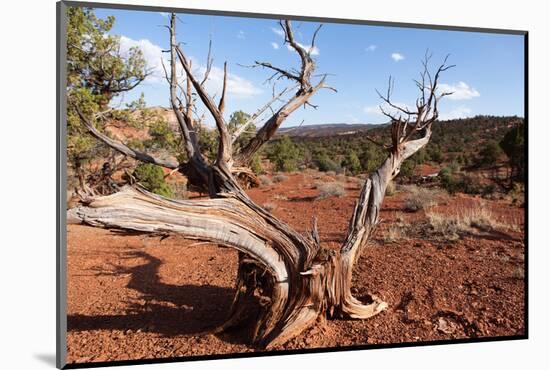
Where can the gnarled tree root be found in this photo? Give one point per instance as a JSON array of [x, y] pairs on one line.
[[290, 290]]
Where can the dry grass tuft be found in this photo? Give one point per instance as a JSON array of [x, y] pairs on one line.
[[356, 182], [269, 207], [420, 198], [451, 225], [280, 177], [330, 189], [395, 233], [390, 189], [265, 181], [342, 178], [468, 221]]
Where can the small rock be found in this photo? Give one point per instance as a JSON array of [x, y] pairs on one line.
[[443, 326]]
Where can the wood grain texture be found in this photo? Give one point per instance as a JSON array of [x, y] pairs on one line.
[[288, 279]]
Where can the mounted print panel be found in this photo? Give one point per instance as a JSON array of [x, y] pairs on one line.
[[242, 185]]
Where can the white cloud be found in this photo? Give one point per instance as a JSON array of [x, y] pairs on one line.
[[278, 31], [460, 91], [460, 112], [308, 48], [241, 35], [237, 86], [397, 57], [165, 15], [274, 45], [371, 47]]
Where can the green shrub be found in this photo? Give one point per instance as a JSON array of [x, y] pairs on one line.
[[489, 154], [236, 120], [151, 177], [372, 158], [256, 165], [162, 137], [325, 164], [284, 155], [407, 168], [352, 163], [434, 153], [513, 144], [455, 183]]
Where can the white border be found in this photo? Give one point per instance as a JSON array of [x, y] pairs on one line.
[[28, 181]]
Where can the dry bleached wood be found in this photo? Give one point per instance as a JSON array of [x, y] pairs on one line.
[[285, 280]]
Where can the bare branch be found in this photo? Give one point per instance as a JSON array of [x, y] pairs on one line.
[[189, 97], [278, 71], [189, 139], [209, 62], [301, 98], [308, 65], [224, 148], [221, 105], [311, 105], [239, 131], [387, 98], [271, 125], [122, 148], [314, 36]]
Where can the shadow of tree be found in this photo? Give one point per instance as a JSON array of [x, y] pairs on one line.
[[169, 310]]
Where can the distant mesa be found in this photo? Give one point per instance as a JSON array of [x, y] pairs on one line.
[[326, 130]]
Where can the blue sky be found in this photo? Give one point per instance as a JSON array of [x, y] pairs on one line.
[[488, 78]]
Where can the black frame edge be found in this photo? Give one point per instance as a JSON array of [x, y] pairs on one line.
[[61, 194]]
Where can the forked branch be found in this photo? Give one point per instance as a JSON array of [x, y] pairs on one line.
[[185, 121], [305, 91], [408, 135], [290, 278], [224, 157], [239, 131]]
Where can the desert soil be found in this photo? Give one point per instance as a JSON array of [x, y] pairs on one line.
[[140, 297]]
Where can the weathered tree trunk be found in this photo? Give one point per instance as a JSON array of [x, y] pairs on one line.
[[289, 277], [285, 280]]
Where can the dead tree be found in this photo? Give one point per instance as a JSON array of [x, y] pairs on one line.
[[285, 280]]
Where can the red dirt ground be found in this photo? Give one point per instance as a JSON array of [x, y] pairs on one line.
[[139, 297]]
